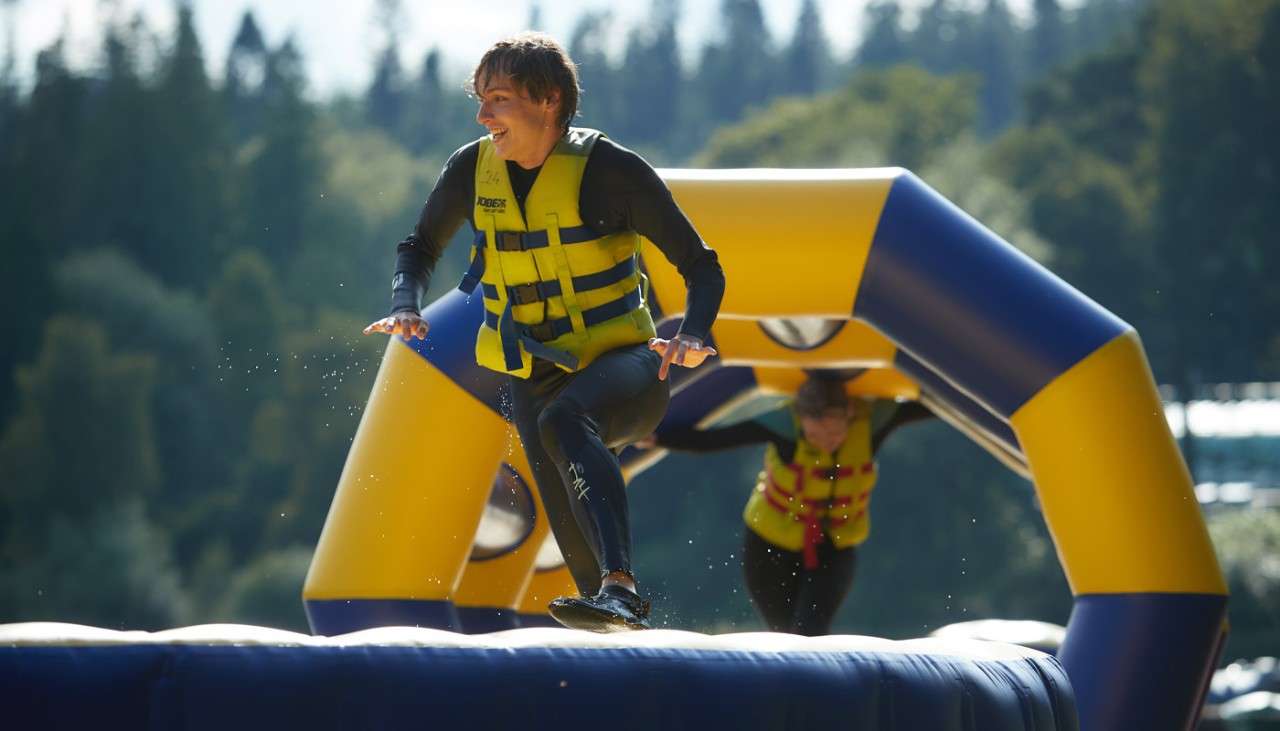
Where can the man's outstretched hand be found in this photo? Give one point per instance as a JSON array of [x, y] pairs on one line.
[[407, 323], [682, 350]]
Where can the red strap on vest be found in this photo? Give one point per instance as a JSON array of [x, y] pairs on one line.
[[810, 511]]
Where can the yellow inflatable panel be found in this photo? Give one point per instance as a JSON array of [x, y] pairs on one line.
[[543, 587], [501, 581], [855, 345], [409, 509], [875, 383], [798, 248], [1116, 493]]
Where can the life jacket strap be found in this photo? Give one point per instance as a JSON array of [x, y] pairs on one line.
[[525, 294], [533, 337], [516, 241]]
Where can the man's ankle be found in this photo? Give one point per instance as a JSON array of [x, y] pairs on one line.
[[620, 578]]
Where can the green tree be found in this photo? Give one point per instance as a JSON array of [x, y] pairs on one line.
[[995, 60], [806, 62], [244, 77], [883, 43], [43, 165], [896, 117], [1207, 98], [737, 70], [933, 42], [281, 167], [597, 104], [653, 97], [78, 460], [1048, 36], [266, 591], [1248, 546], [185, 186], [141, 315]]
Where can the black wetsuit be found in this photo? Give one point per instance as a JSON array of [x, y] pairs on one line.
[[570, 423], [789, 597]]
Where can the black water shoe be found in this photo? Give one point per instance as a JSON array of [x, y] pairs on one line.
[[615, 609]]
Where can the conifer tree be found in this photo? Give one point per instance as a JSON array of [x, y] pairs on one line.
[[185, 188], [883, 44], [1048, 37], [654, 95], [808, 58], [385, 99], [243, 77], [995, 61]]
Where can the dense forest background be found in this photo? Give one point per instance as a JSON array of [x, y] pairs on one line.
[[188, 257]]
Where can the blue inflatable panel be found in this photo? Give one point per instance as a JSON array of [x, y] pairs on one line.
[[715, 386], [482, 620], [968, 304], [236, 677], [451, 347], [1159, 636], [340, 616], [994, 427], [538, 620]]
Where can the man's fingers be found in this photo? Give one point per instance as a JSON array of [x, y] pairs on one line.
[[668, 354]]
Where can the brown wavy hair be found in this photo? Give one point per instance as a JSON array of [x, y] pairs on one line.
[[538, 64]]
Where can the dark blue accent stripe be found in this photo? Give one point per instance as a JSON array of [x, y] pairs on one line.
[[340, 616], [537, 620], [563, 325], [475, 270], [251, 687], [538, 239], [1139, 660], [451, 347], [962, 300], [994, 427], [525, 294], [483, 620], [705, 391]]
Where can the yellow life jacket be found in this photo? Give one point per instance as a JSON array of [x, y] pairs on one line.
[[553, 287], [795, 504]]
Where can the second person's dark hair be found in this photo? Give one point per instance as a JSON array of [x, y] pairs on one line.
[[817, 395]]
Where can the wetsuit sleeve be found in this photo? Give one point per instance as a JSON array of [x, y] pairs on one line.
[[728, 437], [902, 415], [444, 212], [620, 191]]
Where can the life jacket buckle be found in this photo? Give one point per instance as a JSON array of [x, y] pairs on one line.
[[543, 331], [524, 294], [508, 241]]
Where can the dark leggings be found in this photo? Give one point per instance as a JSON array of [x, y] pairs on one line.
[[789, 598], [570, 423]]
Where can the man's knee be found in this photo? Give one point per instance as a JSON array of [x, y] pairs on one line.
[[557, 427]]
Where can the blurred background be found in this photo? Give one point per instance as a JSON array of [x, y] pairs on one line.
[[200, 202]]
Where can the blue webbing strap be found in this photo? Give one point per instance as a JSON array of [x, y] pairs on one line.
[[532, 337], [524, 294], [517, 241]]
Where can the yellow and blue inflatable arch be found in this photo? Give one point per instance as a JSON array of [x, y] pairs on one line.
[[932, 305]]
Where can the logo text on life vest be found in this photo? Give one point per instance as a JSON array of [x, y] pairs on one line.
[[491, 205]]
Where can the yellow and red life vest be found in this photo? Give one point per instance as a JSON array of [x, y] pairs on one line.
[[795, 505], [553, 287]]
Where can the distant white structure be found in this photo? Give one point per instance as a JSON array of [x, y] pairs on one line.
[[1231, 426]]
